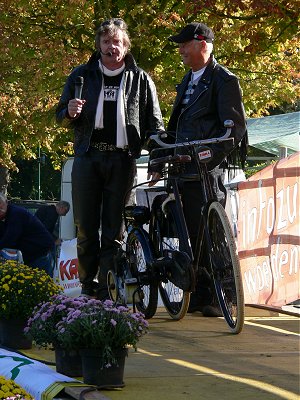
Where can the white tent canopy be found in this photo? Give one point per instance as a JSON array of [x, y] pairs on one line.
[[274, 132]]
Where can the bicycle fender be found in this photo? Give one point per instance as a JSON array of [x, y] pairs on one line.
[[144, 239]]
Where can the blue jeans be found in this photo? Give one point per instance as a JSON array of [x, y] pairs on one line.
[[45, 263]]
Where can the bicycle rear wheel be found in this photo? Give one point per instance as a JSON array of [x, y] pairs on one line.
[[226, 268], [140, 258], [167, 236]]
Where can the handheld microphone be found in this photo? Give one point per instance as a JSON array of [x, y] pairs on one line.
[[78, 87], [109, 53]]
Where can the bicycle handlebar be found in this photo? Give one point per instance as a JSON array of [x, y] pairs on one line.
[[177, 158], [228, 124]]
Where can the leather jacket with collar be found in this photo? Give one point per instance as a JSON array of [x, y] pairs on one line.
[[142, 111], [216, 98]]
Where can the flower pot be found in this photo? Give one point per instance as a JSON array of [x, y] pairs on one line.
[[106, 377], [12, 334], [68, 362]]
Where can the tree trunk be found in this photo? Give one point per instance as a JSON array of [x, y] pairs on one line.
[[4, 179]]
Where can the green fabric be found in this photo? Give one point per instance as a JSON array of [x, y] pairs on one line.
[[271, 133]]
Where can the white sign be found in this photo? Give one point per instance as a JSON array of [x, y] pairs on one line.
[[33, 376], [66, 271]]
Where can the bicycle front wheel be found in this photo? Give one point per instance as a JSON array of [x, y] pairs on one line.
[[140, 258], [167, 235], [226, 268]]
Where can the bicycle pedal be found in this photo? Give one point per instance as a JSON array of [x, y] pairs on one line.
[[130, 281]]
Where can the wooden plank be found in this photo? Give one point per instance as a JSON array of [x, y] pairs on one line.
[[75, 392]]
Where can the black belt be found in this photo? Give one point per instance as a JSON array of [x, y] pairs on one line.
[[106, 147]]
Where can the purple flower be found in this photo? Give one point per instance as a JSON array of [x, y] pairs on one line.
[[129, 324], [108, 303], [123, 309], [113, 322], [61, 307], [44, 317]]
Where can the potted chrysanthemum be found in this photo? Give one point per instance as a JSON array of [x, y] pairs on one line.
[[21, 289], [100, 331], [42, 329]]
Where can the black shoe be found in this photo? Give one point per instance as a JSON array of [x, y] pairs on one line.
[[88, 296], [211, 311], [89, 290], [102, 294], [195, 304], [194, 307]]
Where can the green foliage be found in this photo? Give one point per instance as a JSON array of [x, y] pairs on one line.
[[253, 169], [25, 185], [42, 41]]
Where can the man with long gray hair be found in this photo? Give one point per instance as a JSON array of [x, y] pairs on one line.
[[111, 117]]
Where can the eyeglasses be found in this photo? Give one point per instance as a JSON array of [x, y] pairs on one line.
[[114, 21]]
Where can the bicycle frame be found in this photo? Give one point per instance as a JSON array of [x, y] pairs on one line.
[[214, 232], [202, 176], [163, 260]]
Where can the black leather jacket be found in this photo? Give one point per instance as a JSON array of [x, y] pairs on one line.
[[142, 111], [216, 98]]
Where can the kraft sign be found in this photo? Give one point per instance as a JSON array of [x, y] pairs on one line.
[[268, 234]]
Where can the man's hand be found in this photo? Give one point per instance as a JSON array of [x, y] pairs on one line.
[[75, 107], [153, 177]]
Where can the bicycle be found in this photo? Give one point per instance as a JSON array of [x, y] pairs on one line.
[[162, 259]]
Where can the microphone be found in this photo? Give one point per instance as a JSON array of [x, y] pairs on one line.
[[78, 87], [109, 53]]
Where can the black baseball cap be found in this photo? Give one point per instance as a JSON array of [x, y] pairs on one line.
[[194, 30]]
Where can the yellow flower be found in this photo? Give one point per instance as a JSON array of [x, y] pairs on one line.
[[6, 287], [9, 388], [22, 288], [5, 388]]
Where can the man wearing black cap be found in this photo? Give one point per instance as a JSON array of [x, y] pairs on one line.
[[208, 95]]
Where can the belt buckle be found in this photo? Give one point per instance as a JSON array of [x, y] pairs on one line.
[[111, 147], [101, 146]]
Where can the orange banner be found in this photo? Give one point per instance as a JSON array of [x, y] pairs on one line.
[[268, 234]]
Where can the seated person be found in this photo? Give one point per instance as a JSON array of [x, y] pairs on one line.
[[21, 230]]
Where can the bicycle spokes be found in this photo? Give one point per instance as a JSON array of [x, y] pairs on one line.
[[225, 267]]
